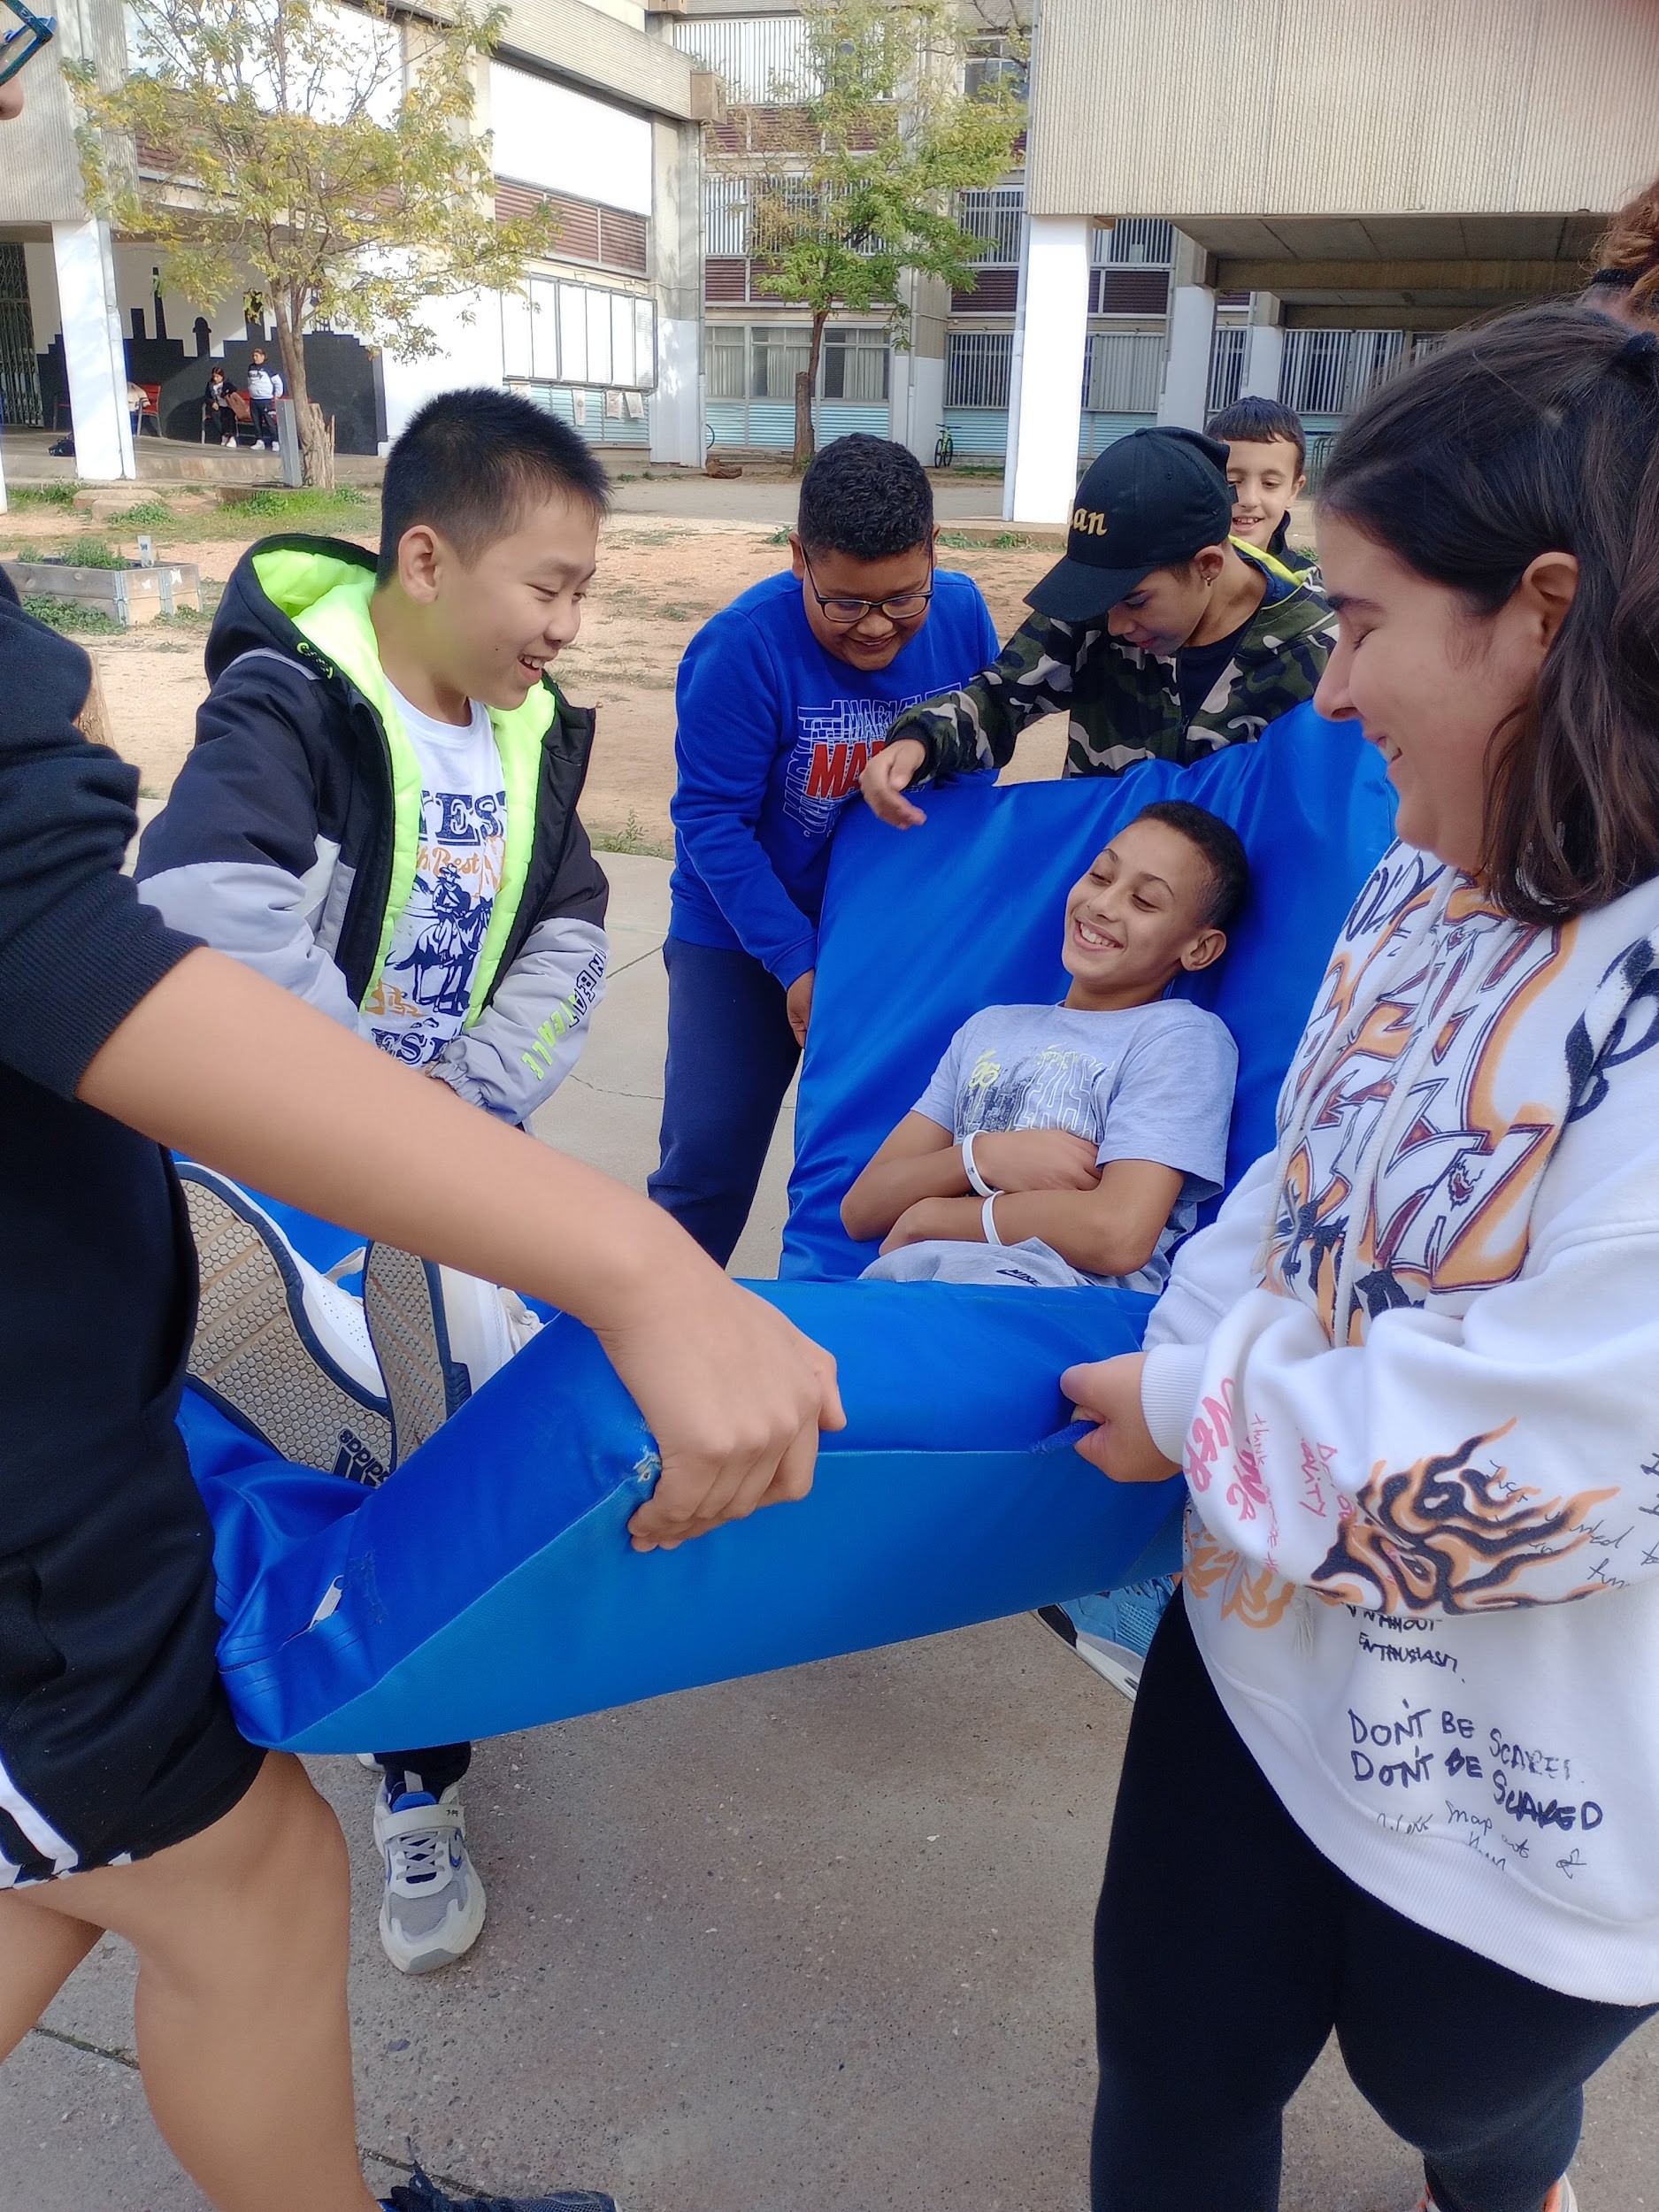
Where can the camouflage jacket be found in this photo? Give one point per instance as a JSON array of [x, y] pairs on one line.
[[1123, 703], [1300, 564]]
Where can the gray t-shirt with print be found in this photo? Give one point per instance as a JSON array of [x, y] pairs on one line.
[[1147, 1083]]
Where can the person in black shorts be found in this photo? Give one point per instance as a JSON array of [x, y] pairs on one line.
[[121, 1762]]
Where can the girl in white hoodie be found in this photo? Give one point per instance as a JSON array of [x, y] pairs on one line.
[[1395, 1765]]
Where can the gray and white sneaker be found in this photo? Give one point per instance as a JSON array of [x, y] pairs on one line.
[[404, 1305], [439, 1336], [277, 1346], [433, 1907]]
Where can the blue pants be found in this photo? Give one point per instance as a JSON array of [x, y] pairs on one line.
[[731, 1056], [1226, 1948]]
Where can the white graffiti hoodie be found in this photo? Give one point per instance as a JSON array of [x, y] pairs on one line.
[[1412, 1375]]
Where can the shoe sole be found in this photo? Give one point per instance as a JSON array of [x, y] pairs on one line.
[[1113, 1662], [424, 1384], [256, 1357]]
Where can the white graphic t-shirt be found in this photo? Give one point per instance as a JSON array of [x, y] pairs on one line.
[[421, 999]]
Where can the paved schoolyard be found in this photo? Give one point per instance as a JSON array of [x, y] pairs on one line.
[[814, 1942]]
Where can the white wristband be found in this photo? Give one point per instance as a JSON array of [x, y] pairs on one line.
[[976, 1181], [988, 1218]]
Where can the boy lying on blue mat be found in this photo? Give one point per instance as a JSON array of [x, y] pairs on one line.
[[1072, 1144]]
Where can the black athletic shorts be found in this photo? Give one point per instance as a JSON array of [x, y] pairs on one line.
[[116, 1735]]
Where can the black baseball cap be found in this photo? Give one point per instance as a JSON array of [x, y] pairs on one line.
[[1154, 498]]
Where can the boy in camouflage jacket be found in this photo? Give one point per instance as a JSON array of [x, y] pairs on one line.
[[1161, 637]]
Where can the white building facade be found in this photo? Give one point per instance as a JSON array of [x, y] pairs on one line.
[[594, 112]]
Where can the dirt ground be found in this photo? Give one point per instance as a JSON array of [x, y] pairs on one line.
[[659, 580]]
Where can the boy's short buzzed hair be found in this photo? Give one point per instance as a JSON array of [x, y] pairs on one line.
[[1223, 850], [470, 462], [865, 497], [1261, 422]]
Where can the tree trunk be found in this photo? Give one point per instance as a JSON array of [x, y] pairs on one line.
[[805, 385], [316, 437]]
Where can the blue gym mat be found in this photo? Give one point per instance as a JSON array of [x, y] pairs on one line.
[[489, 1585]]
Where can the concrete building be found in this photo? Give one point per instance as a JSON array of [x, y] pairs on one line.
[[1366, 178], [1216, 198], [593, 109]]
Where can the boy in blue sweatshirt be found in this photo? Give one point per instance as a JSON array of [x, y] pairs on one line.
[[782, 699]]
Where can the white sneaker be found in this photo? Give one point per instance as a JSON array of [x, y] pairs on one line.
[[433, 1907], [281, 1349]]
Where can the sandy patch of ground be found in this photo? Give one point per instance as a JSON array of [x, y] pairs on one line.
[[659, 580]]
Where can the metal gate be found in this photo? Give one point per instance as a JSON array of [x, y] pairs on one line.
[[20, 406]]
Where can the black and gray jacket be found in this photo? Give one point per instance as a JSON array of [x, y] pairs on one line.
[[291, 835]]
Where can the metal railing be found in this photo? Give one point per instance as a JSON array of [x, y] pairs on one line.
[[1226, 368], [977, 366], [997, 216], [760, 58], [1123, 371], [1330, 371], [1141, 242]]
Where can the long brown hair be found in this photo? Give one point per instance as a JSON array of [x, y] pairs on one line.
[[1627, 261], [1538, 434]]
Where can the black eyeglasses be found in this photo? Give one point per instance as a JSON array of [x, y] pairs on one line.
[[846, 614], [21, 46]]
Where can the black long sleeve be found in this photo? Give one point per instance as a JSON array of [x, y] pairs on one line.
[[96, 1276]]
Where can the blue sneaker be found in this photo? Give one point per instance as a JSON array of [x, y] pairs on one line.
[[1112, 1631], [420, 2194]]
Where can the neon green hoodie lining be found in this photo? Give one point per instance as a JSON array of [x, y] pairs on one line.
[[328, 601]]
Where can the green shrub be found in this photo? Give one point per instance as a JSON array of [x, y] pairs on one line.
[[90, 553], [300, 510], [631, 839], [41, 494], [148, 514], [71, 615]]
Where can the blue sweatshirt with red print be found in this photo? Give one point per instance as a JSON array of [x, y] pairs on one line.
[[773, 733]]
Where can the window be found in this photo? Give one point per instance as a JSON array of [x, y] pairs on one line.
[[761, 361], [779, 353], [575, 334], [977, 364], [993, 66], [854, 365], [723, 355], [1123, 371]]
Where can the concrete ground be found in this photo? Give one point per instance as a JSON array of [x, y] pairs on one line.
[[814, 1942]]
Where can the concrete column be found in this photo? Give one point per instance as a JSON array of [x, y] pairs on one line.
[[93, 352], [1192, 333], [676, 406], [1045, 401], [1263, 348], [919, 375]]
